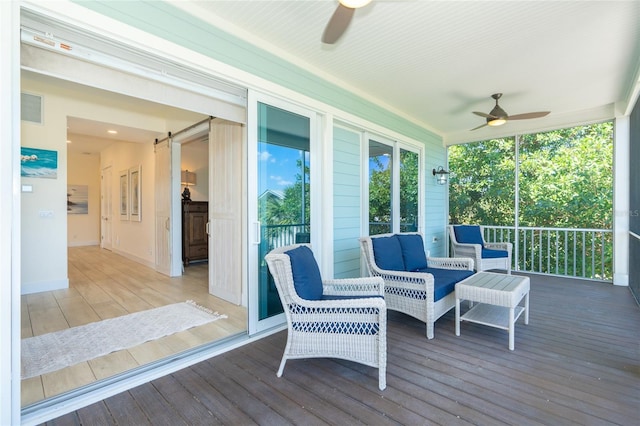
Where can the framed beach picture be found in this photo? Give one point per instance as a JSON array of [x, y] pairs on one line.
[[135, 193], [124, 194], [77, 199], [38, 163]]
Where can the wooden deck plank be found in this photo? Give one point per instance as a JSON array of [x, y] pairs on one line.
[[184, 401], [156, 408]]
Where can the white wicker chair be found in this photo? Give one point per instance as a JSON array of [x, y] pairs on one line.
[[353, 329], [474, 251], [413, 292]]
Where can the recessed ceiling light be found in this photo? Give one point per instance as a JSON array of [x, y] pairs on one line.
[[113, 132]]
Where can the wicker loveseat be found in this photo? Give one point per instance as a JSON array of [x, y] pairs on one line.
[[340, 318], [414, 284]]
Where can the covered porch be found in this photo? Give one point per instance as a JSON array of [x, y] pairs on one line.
[[577, 362]]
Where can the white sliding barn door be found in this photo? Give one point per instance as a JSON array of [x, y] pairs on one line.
[[163, 206], [225, 210]]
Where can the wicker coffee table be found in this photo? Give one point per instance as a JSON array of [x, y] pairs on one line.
[[498, 297]]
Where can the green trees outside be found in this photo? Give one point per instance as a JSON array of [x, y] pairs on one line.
[[380, 205], [565, 181]]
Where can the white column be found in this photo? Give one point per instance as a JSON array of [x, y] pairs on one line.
[[621, 173], [10, 213]]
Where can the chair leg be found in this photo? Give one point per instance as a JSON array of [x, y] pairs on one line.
[[430, 331], [282, 363], [382, 378]]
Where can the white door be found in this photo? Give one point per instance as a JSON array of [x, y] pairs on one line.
[[225, 210], [105, 208], [162, 184]]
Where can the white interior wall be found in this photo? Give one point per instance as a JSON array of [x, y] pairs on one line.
[[135, 240], [44, 209], [84, 229]]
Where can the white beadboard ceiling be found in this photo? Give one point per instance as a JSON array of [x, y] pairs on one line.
[[435, 62]]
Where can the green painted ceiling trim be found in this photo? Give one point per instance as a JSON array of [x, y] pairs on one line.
[[165, 20]]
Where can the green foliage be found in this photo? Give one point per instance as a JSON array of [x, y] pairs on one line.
[[482, 182], [565, 181], [288, 210], [380, 205], [567, 178]]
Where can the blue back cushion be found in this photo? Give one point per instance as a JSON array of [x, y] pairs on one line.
[[388, 253], [444, 280], [493, 254], [468, 234], [412, 252], [306, 274]]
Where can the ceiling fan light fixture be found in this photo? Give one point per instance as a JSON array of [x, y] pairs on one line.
[[354, 4], [496, 121]]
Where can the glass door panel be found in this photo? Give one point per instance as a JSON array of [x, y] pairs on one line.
[[409, 179], [380, 187], [283, 192]]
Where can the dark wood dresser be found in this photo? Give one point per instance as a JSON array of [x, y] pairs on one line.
[[195, 244]]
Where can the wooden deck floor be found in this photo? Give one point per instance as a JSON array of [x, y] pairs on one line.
[[577, 362]]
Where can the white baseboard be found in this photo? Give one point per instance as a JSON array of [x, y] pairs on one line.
[[137, 259], [30, 288], [82, 243]]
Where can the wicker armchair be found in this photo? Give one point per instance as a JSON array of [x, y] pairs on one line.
[[468, 241], [414, 293], [348, 320]]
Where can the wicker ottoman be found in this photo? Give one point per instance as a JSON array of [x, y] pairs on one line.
[[498, 297]]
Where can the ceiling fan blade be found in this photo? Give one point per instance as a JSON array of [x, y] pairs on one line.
[[480, 126], [482, 114], [338, 24], [528, 115]]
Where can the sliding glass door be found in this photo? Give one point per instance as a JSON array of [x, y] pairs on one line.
[[282, 199]]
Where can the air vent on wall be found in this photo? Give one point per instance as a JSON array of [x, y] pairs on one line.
[[31, 108]]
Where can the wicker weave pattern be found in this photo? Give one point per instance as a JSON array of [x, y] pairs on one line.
[[474, 251], [351, 329], [413, 292], [494, 289]]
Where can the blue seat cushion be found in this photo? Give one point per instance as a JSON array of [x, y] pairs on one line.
[[494, 254], [444, 280], [412, 252], [468, 234], [306, 274], [387, 253]]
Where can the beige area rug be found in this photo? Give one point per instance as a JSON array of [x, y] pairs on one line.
[[53, 351]]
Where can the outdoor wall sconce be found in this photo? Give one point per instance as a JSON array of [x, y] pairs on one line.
[[441, 175]]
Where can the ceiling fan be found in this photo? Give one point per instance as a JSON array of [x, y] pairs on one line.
[[340, 19], [498, 116]]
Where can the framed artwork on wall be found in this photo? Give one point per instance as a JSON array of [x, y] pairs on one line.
[[124, 194], [135, 189], [77, 199]]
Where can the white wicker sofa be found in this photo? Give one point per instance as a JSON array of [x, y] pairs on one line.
[[339, 318], [414, 284]]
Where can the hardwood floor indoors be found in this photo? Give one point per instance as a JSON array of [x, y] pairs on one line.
[[106, 285]]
